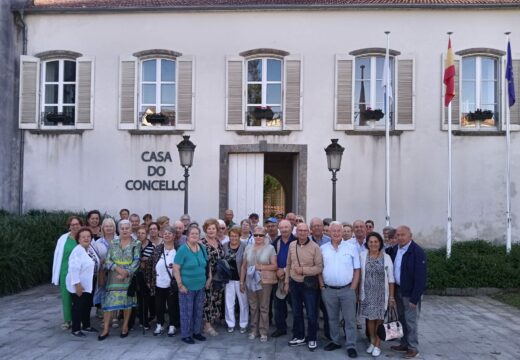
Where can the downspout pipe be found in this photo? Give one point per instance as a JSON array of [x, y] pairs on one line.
[[19, 14]]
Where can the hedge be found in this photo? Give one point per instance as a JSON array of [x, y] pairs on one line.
[[27, 245]]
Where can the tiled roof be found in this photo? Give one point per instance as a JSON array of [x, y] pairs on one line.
[[265, 4]]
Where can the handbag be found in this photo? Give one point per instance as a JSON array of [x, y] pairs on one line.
[[310, 281], [391, 328], [173, 283]]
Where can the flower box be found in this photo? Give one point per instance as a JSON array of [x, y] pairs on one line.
[[374, 115], [55, 118], [157, 118], [263, 113], [479, 115]]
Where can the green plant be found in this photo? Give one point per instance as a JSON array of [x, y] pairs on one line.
[[27, 245], [474, 264]]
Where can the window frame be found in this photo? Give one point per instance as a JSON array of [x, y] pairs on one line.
[[60, 83], [158, 83], [373, 56], [499, 84], [264, 83]]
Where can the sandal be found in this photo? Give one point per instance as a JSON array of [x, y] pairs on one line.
[[65, 326], [210, 331], [263, 338]]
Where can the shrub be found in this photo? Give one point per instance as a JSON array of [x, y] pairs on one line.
[[27, 245], [474, 264]]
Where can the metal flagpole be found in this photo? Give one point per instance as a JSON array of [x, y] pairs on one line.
[[386, 71], [448, 229], [508, 168]]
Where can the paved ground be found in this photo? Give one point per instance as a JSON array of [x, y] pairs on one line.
[[458, 328]]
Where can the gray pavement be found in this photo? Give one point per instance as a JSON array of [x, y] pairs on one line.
[[457, 328]]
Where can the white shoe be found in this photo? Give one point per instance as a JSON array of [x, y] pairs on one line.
[[376, 352], [158, 330], [171, 331], [370, 349]]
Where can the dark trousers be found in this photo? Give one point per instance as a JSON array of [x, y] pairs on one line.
[[163, 297], [302, 296], [323, 308], [81, 311], [280, 310]]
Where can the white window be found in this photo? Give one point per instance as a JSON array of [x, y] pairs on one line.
[[158, 92], [480, 99], [56, 93], [156, 89], [264, 93], [369, 97], [59, 92]]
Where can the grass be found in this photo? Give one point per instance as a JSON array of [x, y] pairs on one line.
[[511, 297]]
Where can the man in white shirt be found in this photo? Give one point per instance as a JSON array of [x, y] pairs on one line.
[[338, 283], [360, 233]]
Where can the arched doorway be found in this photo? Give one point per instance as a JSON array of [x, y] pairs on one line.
[[274, 196]]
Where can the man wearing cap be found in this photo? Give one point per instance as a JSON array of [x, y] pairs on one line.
[[281, 246], [271, 226], [253, 220], [338, 285]]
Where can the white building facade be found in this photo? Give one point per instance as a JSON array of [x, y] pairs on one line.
[[106, 94]]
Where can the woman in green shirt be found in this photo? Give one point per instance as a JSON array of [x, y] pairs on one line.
[[190, 273]]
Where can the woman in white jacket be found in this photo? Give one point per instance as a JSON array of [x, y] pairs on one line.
[[376, 287], [81, 279]]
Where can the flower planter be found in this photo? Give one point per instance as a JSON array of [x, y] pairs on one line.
[[55, 118], [261, 113], [479, 115], [156, 118]]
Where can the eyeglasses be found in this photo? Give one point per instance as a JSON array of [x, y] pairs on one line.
[[298, 220], [259, 235], [223, 228]]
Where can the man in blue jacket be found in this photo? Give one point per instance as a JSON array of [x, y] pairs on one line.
[[410, 280]]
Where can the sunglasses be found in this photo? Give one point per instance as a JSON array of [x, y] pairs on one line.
[[259, 235]]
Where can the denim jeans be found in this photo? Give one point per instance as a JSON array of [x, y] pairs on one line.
[[280, 310], [302, 296]]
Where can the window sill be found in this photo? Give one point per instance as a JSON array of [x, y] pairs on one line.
[[156, 132], [373, 132], [57, 131], [478, 132], [263, 132]]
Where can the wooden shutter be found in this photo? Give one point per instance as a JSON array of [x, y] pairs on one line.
[[235, 93], [29, 110], [343, 93], [185, 93], [514, 111], [128, 93], [455, 103], [404, 95], [85, 93], [293, 90]]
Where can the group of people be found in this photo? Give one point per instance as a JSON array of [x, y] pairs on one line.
[[240, 275]]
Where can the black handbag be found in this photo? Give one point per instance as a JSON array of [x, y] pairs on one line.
[[173, 283], [391, 328], [310, 281]]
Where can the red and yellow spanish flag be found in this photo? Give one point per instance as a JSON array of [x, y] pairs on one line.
[[449, 76]]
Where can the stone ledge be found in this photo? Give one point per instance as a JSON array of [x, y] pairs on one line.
[[478, 133], [464, 291], [263, 133], [156, 132], [373, 132], [57, 132]]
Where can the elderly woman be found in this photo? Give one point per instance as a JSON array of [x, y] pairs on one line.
[[81, 279], [101, 246], [143, 290], [245, 232], [93, 222], [153, 233], [222, 234], [214, 295], [66, 243], [162, 221], [122, 262], [376, 287], [234, 254], [166, 291], [190, 273], [259, 264]]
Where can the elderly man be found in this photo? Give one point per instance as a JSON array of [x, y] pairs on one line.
[[304, 260], [271, 226], [360, 233], [179, 238], [338, 282], [389, 238], [410, 280], [281, 246], [228, 218], [347, 231], [135, 221]]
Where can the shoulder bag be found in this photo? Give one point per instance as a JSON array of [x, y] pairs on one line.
[[391, 328], [310, 281]]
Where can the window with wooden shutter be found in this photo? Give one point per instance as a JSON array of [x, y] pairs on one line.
[[235, 93], [405, 99], [343, 93], [185, 93], [292, 114], [85, 93], [29, 92], [128, 93]]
